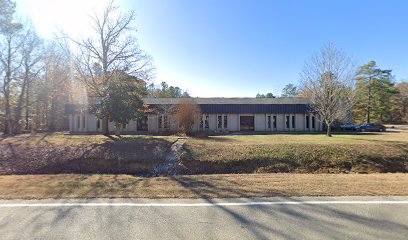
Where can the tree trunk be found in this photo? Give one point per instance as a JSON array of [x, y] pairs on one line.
[[8, 124], [27, 110], [105, 126], [328, 133], [117, 129], [19, 108], [369, 100]]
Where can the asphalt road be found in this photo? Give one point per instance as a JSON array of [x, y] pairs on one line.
[[274, 218]]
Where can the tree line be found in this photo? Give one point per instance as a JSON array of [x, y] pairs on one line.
[[110, 72], [35, 76], [374, 96], [39, 76], [339, 93]]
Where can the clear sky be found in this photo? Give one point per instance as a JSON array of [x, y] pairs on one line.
[[234, 48]]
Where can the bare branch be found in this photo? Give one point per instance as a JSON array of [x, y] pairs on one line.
[[327, 80]]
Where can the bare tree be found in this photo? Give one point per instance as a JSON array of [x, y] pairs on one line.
[[31, 66], [188, 112], [113, 47], [10, 64], [53, 88], [327, 80]]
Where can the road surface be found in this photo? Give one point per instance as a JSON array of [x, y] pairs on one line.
[[264, 218]]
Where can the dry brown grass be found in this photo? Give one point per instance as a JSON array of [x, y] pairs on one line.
[[204, 186], [297, 153]]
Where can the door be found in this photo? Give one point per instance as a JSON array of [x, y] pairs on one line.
[[247, 123]]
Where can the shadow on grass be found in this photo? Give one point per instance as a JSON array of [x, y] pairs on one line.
[[122, 155], [319, 219]]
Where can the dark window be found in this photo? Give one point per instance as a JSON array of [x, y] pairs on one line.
[[269, 121], [219, 122], [201, 123], [160, 122], [98, 124], [293, 122], [124, 126], [247, 123], [313, 122], [307, 121], [225, 122], [274, 121], [166, 122], [78, 122], [207, 125], [83, 121], [142, 124], [287, 122]]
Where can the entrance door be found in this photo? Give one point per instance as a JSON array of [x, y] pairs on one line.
[[247, 123]]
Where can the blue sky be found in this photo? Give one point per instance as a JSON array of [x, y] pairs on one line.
[[241, 48]]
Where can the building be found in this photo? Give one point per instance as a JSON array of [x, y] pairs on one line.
[[217, 115]]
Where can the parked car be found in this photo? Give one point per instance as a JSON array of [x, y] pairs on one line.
[[349, 127], [371, 127]]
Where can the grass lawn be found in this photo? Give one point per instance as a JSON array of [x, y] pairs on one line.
[[201, 186], [295, 153], [363, 153]]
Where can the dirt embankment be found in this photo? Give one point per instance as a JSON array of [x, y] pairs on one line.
[[164, 156], [55, 154]]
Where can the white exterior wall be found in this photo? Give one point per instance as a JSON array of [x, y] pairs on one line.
[[152, 123], [260, 123], [300, 122], [91, 123], [173, 123], [233, 122], [71, 122], [280, 122], [212, 122], [131, 126]]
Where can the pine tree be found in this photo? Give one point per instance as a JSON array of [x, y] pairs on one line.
[[374, 89]]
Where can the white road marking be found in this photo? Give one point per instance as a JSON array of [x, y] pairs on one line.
[[207, 204]]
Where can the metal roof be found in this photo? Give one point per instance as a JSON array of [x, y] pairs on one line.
[[254, 108], [201, 101], [226, 105]]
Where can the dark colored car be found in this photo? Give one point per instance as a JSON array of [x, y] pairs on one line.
[[349, 127], [371, 127]]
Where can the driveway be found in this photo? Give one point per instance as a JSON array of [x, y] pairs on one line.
[[266, 218]]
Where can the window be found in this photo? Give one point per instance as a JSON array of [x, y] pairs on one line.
[[313, 122], [124, 126], [160, 122], [78, 122], [201, 123], [166, 122], [287, 122], [83, 121], [219, 122], [307, 121], [225, 122], [293, 122], [269, 121], [274, 121], [98, 124], [207, 125], [142, 124]]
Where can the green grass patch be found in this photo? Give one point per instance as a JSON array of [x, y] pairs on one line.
[[364, 153]]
